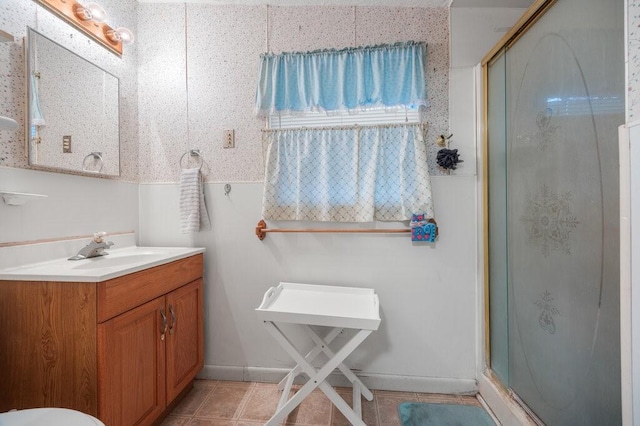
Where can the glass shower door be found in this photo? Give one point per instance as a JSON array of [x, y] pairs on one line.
[[497, 192], [564, 84]]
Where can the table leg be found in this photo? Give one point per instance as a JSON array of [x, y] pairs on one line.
[[316, 377], [324, 346], [313, 354], [357, 402], [286, 389]]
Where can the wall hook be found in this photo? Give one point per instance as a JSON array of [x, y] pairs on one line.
[[227, 189], [444, 140]]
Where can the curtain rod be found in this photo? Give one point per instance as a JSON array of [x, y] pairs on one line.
[[262, 230], [348, 127]]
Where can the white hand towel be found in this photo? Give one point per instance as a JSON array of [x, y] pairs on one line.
[[193, 210], [37, 118]]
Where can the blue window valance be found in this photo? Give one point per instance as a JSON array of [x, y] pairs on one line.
[[342, 80]]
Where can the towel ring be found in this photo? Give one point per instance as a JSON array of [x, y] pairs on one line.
[[194, 153], [96, 156]]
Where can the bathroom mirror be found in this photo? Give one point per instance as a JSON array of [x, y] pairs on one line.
[[72, 107]]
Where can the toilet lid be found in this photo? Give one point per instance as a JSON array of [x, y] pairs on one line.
[[48, 417]]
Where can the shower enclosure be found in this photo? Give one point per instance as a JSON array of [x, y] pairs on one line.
[[554, 100]]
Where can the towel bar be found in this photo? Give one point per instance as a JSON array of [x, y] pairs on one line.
[[193, 153], [262, 230]]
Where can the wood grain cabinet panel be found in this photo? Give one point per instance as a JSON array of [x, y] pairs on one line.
[[102, 348], [131, 366], [185, 346], [123, 293], [48, 345]]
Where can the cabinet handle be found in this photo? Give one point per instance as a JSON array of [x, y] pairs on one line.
[[164, 324], [174, 320]]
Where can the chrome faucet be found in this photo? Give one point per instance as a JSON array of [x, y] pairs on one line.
[[95, 248]]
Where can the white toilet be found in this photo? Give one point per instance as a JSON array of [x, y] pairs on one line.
[[47, 417]]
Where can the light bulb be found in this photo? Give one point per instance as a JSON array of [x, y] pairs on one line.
[[97, 12], [121, 34], [90, 12]]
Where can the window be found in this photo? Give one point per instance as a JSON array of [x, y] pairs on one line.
[[398, 115], [347, 174], [349, 149]]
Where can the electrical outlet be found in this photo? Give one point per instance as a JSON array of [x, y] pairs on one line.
[[229, 139]]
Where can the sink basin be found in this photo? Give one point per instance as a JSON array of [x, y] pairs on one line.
[[117, 263], [112, 261]]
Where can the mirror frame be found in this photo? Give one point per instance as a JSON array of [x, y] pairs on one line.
[[31, 33]]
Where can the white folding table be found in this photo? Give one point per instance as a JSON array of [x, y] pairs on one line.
[[319, 305]]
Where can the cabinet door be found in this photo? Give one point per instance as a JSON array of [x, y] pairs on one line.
[[185, 349], [131, 366], [48, 345]]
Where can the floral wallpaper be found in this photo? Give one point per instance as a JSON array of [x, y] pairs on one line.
[[633, 66], [219, 60], [15, 17], [223, 45]]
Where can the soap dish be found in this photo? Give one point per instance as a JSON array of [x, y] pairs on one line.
[[19, 198]]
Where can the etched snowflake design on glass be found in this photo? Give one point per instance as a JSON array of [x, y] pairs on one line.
[[545, 303], [549, 220], [546, 128]]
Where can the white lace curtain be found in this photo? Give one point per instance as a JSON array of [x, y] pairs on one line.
[[347, 174]]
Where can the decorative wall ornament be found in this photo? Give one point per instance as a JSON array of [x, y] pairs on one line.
[[545, 303], [447, 158], [549, 218]]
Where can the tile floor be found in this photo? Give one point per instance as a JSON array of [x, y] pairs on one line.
[[222, 403]]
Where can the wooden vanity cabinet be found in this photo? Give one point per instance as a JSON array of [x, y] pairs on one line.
[[121, 350], [148, 355]]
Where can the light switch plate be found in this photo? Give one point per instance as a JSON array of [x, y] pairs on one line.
[[66, 144], [229, 139]]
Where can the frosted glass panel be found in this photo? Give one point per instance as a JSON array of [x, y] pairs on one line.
[[564, 101], [497, 142]]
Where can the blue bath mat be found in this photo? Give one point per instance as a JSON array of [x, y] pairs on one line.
[[424, 414]]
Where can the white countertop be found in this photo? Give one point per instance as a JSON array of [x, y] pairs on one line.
[[117, 263]]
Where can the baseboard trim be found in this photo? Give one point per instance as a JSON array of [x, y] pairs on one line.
[[373, 381], [502, 405]]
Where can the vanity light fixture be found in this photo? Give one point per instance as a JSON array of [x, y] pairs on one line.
[[89, 18]]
